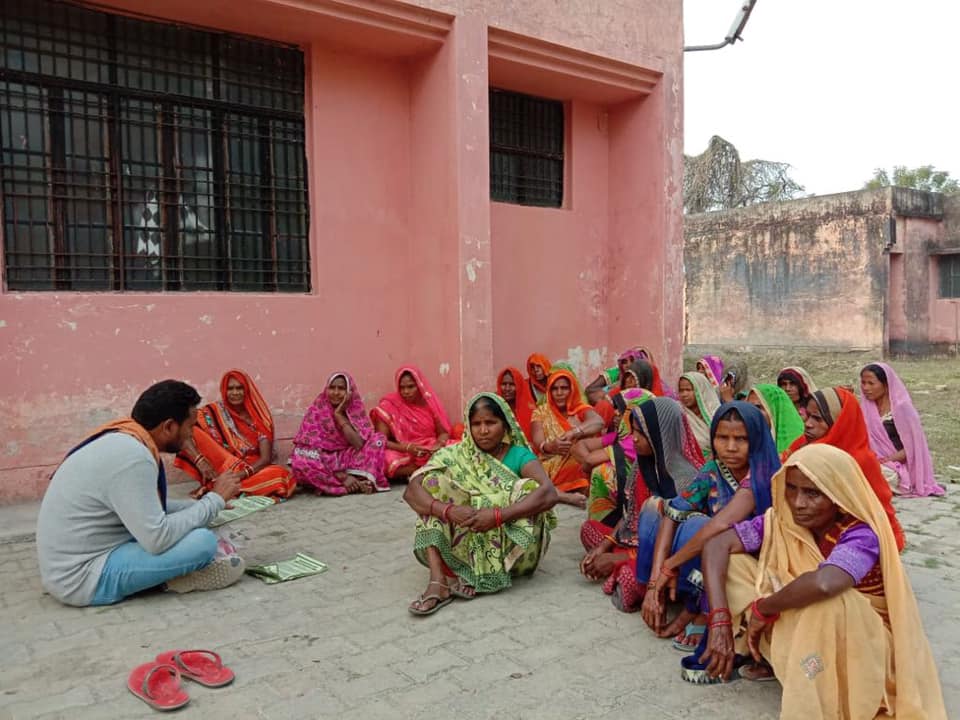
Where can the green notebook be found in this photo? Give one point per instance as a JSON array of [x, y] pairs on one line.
[[242, 506], [301, 566]]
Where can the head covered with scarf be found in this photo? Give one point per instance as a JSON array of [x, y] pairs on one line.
[[764, 460], [785, 422], [676, 455]]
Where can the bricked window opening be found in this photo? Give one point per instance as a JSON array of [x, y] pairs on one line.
[[139, 155], [526, 149], [949, 275]]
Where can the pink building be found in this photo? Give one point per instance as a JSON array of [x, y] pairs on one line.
[[297, 187]]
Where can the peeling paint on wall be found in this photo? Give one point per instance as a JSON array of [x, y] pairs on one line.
[[444, 369], [68, 324], [206, 319]]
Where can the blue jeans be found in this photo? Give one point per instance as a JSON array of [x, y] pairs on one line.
[[130, 568]]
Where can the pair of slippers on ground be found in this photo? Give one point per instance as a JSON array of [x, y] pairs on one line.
[[157, 683]]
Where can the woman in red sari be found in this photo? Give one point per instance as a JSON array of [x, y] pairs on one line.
[[556, 426], [414, 422], [236, 433], [512, 388], [538, 369]]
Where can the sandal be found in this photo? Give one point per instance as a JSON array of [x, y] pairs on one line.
[[461, 590], [691, 630], [439, 602], [201, 666], [158, 685]]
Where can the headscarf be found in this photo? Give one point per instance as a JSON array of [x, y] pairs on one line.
[[542, 361], [848, 431], [712, 369], [789, 551], [677, 457], [801, 378], [402, 417], [741, 375], [764, 458], [707, 402], [575, 403], [524, 403], [918, 468], [631, 355], [319, 428], [643, 371], [785, 422], [253, 401]]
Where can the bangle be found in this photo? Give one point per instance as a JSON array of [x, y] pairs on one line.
[[497, 514], [199, 458], [611, 538], [668, 571], [765, 619], [446, 512], [719, 611], [720, 623], [542, 447]]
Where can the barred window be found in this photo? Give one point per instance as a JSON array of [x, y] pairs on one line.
[[138, 155], [526, 149], [949, 275]]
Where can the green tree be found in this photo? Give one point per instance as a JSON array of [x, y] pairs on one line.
[[717, 179], [925, 177]]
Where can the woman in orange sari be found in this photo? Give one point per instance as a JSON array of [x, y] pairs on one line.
[[236, 433], [556, 426], [512, 388], [538, 369]]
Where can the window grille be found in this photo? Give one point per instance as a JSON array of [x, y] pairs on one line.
[[949, 275], [526, 149], [138, 155]]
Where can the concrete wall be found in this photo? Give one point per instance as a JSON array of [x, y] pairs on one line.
[[411, 262]]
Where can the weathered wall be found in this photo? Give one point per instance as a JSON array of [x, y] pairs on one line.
[[411, 262]]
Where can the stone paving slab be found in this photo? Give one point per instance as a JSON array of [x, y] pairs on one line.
[[342, 645]]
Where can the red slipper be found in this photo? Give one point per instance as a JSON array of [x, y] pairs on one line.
[[202, 666], [158, 685]]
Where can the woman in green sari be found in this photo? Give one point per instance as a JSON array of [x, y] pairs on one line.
[[483, 507], [778, 410]]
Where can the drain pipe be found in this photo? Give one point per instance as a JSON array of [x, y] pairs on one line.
[[739, 23]]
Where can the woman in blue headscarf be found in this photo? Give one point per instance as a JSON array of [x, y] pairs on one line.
[[732, 487]]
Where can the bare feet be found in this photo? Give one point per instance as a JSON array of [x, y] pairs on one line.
[[678, 624], [575, 499]]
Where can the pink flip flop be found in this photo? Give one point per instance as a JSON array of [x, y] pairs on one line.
[[158, 685], [202, 666]]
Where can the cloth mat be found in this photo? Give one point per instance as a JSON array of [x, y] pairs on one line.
[[301, 566], [242, 506]]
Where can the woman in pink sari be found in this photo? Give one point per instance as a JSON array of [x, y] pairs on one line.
[[336, 450], [896, 435], [413, 421]]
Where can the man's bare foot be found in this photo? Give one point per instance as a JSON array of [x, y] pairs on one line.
[[575, 499]]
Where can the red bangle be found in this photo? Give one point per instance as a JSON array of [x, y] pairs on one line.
[[446, 512], [720, 623], [719, 611], [765, 619], [498, 516]]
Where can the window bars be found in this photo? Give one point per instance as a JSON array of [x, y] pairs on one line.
[[526, 149], [137, 155]]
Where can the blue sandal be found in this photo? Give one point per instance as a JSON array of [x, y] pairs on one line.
[[690, 630]]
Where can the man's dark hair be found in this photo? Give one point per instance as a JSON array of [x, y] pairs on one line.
[[166, 400]]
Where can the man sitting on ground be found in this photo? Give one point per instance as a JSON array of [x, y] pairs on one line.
[[106, 529]]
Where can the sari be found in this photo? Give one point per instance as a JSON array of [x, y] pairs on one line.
[[707, 404], [414, 423], [538, 390], [915, 475], [848, 431], [860, 654], [786, 425], [320, 449], [231, 443], [524, 404], [801, 378], [463, 474], [674, 464], [710, 492], [711, 367], [564, 471], [739, 374]]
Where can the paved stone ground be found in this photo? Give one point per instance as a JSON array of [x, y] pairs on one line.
[[342, 644]]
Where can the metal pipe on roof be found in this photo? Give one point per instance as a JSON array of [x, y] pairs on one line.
[[739, 23]]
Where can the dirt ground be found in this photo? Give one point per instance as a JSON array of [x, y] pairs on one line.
[[934, 384]]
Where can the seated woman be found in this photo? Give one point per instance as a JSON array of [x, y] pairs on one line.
[[797, 384], [699, 401], [512, 388], [235, 433], [834, 418], [732, 487], [711, 367], [538, 370], [896, 434], [612, 377], [668, 459], [556, 426], [828, 605], [778, 410], [735, 382], [635, 382], [337, 451], [413, 421], [484, 509]]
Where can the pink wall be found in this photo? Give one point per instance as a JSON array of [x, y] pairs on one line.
[[411, 260]]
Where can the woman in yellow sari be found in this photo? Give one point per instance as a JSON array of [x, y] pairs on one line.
[[828, 604], [236, 433], [556, 426]]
